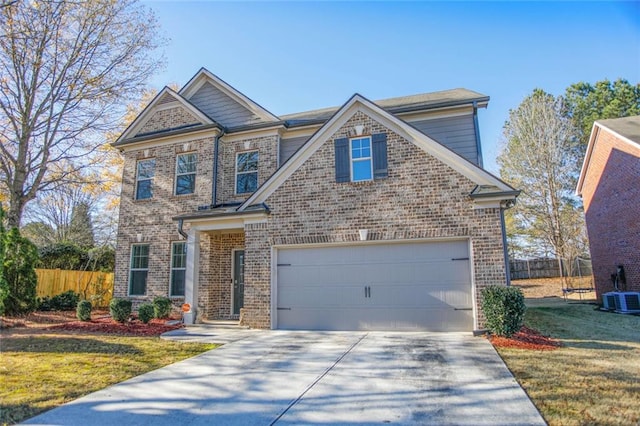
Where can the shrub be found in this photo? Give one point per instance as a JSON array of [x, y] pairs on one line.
[[83, 311], [161, 307], [503, 309], [146, 312], [18, 287], [66, 301], [120, 309]]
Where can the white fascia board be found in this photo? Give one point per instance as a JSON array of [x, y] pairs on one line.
[[191, 136], [150, 109], [226, 222], [587, 157], [359, 103], [205, 75]]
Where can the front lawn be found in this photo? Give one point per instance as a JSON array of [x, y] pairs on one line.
[[43, 370], [594, 378]]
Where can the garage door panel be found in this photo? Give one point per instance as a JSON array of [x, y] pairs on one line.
[[412, 287]]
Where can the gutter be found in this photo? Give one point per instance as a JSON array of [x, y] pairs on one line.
[[504, 245]]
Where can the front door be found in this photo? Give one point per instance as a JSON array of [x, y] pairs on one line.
[[238, 281]]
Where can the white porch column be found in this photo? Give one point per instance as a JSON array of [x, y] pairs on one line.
[[191, 275]]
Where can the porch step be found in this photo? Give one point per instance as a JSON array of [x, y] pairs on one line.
[[226, 324]]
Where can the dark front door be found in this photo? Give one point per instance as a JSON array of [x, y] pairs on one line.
[[238, 281]]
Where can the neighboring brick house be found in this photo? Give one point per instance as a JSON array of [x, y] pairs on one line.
[[341, 218], [609, 185]]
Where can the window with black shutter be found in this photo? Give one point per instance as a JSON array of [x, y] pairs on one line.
[[361, 158]]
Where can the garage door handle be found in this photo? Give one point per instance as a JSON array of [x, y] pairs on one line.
[[284, 309], [462, 309], [460, 258], [367, 291]]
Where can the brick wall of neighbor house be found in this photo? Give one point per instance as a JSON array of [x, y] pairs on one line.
[[267, 147], [611, 195], [169, 118], [420, 198], [151, 218]]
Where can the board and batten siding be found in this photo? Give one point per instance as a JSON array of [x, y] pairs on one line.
[[220, 107], [456, 133], [289, 146]]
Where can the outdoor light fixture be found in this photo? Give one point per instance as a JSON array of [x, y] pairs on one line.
[[363, 234]]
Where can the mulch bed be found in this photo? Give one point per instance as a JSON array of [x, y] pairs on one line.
[[106, 325], [526, 338], [101, 323]]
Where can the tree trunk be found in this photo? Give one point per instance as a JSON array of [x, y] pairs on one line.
[[15, 213]]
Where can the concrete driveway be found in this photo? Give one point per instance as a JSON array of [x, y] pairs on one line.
[[287, 377]]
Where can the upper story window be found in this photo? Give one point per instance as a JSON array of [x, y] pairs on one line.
[[178, 268], [361, 160], [246, 172], [139, 269], [186, 173], [146, 170]]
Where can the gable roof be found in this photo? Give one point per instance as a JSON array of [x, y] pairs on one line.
[[165, 96], [444, 98], [359, 103], [203, 76], [626, 129]]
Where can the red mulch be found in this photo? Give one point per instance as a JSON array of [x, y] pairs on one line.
[[526, 338], [106, 325]]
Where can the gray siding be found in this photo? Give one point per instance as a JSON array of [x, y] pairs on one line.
[[456, 133], [289, 146], [221, 107]]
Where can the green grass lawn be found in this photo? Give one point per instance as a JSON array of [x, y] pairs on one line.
[[40, 372], [594, 379]]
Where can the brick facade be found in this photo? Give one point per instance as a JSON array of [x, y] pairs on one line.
[[421, 198], [611, 196]]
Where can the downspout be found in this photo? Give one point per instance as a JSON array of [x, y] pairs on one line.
[[214, 189], [181, 230], [476, 127], [503, 226]]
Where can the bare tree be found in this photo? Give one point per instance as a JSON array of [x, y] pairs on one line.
[[67, 68], [540, 156]]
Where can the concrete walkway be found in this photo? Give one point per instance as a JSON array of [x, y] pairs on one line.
[[286, 377]]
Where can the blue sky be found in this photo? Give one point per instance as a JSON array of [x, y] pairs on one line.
[[297, 56]]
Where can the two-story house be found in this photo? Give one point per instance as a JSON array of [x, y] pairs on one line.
[[371, 215]]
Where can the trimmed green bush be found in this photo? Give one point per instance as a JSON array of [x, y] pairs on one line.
[[120, 309], [161, 307], [503, 309], [18, 286], [146, 312], [83, 311], [67, 301]]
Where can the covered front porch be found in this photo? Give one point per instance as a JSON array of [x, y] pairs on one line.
[[214, 276]]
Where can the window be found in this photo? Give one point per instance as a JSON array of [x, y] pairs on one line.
[[361, 160], [246, 172], [139, 269], [186, 173], [144, 178], [178, 268]]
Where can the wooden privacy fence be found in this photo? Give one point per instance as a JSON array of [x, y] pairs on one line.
[[549, 268], [91, 285]]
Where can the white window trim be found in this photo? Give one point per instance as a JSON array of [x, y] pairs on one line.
[[194, 173], [135, 188], [370, 157], [171, 269], [132, 269], [235, 180]]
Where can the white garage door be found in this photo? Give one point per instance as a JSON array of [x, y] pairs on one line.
[[418, 286]]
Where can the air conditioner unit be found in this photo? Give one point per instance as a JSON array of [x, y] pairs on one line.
[[609, 301], [628, 302]]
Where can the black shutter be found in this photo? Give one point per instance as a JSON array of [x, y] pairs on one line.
[[379, 142], [343, 173]]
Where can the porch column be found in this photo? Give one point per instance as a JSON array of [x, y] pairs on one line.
[[191, 275]]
